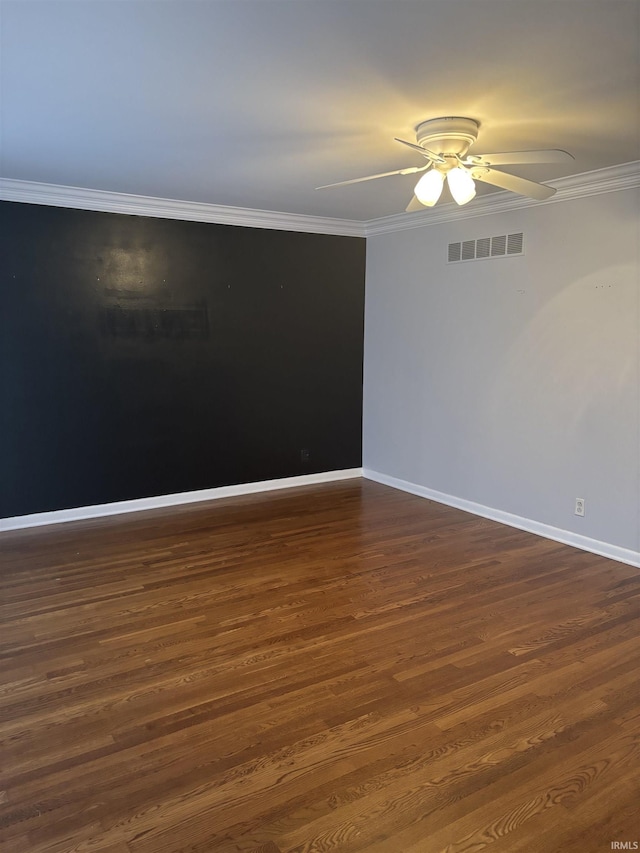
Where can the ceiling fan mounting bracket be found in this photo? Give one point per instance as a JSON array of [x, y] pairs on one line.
[[451, 135]]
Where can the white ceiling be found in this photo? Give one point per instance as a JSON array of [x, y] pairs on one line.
[[253, 103]]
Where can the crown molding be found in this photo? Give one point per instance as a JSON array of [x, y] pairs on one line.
[[612, 179], [80, 198]]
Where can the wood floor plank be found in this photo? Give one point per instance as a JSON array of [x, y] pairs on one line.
[[342, 668]]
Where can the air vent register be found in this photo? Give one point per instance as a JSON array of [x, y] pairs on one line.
[[486, 247]]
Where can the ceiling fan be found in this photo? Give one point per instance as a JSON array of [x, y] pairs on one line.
[[445, 143]]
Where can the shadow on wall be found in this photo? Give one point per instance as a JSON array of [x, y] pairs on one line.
[[567, 398]]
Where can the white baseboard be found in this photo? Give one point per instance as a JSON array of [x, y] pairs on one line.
[[594, 546], [80, 513]]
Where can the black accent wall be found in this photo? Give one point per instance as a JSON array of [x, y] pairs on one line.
[[143, 357]]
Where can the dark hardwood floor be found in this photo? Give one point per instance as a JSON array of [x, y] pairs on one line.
[[338, 668]]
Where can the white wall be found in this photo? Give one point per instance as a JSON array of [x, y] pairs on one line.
[[513, 382]]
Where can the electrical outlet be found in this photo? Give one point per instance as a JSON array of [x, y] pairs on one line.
[[305, 455], [579, 506]]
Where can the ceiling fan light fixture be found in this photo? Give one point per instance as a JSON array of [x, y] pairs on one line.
[[429, 187], [445, 143], [461, 184]]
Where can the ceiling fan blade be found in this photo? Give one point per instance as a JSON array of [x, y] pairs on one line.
[[505, 158], [512, 183], [435, 158], [410, 171], [413, 206]]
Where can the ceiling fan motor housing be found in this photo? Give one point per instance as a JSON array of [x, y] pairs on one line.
[[448, 136]]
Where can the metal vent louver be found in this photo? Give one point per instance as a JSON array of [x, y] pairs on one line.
[[483, 247], [468, 250], [486, 247], [514, 244], [498, 246], [454, 252]]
